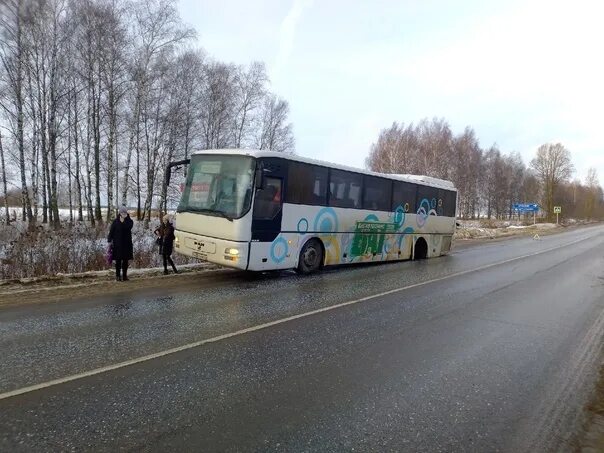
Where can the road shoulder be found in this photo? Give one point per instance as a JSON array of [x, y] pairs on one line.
[[591, 438]]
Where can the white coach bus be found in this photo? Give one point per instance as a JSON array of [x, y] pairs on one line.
[[263, 210]]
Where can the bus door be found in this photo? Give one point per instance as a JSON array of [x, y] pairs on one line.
[[268, 212], [266, 251]]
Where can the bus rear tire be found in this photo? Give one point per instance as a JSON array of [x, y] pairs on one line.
[[311, 257]]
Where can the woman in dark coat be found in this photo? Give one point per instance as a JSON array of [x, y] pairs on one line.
[[165, 240], [120, 237]]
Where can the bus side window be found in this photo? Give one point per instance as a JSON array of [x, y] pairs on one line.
[[306, 184], [403, 195], [268, 199], [345, 189]]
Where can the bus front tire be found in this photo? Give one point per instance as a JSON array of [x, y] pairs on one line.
[[311, 257]]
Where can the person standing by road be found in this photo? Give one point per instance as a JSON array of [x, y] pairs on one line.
[[120, 237], [165, 240]]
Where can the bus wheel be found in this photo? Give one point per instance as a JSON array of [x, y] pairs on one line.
[[311, 257]]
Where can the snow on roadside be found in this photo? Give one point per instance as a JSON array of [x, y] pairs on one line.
[[73, 249], [491, 229], [546, 226], [103, 275]]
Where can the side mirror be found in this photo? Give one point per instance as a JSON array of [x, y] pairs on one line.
[[259, 177]]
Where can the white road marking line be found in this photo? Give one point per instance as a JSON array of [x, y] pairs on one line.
[[74, 377]]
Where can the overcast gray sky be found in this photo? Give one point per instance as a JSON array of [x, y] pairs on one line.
[[521, 73]]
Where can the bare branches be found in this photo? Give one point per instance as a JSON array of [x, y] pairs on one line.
[[488, 181], [552, 166], [275, 132], [13, 61], [98, 95]]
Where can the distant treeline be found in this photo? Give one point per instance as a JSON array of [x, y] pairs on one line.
[[96, 96], [489, 181]]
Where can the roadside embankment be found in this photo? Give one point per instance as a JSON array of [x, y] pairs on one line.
[[493, 229]]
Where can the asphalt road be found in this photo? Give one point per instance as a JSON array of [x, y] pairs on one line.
[[493, 348]]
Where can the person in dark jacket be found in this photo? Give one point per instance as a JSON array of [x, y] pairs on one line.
[[120, 237], [165, 240]]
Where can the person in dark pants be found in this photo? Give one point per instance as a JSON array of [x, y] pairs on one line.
[[120, 236], [165, 240]]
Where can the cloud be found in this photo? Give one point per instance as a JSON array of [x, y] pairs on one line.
[[527, 76], [288, 33]]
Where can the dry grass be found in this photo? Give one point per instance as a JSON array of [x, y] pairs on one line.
[[73, 249]]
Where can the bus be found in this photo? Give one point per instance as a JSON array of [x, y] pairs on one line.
[[263, 210]]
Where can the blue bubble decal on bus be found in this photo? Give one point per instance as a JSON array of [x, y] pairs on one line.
[[302, 226], [279, 250], [406, 231], [326, 221], [423, 212], [399, 216]]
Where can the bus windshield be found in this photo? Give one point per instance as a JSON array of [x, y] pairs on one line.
[[218, 185]]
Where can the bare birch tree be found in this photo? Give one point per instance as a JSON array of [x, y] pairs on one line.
[[552, 167], [249, 91], [12, 56], [593, 188], [275, 132], [158, 29], [4, 181], [97, 96]]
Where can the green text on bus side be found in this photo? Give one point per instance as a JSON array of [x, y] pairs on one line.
[[369, 237]]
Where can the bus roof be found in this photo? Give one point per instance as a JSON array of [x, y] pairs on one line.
[[415, 179]]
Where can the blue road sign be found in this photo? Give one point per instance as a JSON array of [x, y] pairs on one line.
[[525, 207]]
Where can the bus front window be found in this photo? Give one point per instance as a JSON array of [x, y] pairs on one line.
[[219, 185]]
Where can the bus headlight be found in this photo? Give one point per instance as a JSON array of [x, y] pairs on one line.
[[232, 252]]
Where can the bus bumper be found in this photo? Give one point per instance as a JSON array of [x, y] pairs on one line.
[[217, 251]]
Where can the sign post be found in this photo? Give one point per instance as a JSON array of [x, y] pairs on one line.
[[526, 207], [557, 211]]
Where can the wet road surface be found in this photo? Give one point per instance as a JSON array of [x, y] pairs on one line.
[[494, 347]]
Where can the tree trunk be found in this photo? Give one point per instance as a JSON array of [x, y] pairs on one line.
[[96, 112], [88, 152], [152, 154], [4, 181], [52, 145], [69, 178], [19, 101], [52, 130], [163, 201], [77, 154], [138, 176], [42, 110], [35, 173], [89, 191], [133, 141], [110, 146], [44, 202], [550, 201], [117, 165]]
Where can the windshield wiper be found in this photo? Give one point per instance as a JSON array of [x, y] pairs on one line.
[[209, 211], [223, 214]]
